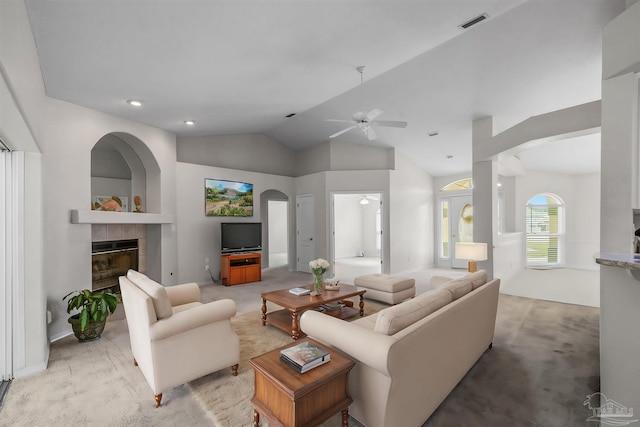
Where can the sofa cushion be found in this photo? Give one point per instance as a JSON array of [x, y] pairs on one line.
[[385, 282], [477, 279], [156, 292], [367, 322], [395, 318], [458, 287]]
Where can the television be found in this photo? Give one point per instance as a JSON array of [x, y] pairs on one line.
[[240, 237]]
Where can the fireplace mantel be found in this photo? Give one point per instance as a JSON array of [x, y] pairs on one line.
[[80, 216]]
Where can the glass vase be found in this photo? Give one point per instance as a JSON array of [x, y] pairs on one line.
[[318, 283]]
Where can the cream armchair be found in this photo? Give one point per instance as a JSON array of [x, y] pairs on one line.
[[175, 338]]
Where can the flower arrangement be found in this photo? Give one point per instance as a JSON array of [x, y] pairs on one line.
[[318, 268]]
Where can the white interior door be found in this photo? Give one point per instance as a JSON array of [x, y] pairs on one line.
[[461, 226], [305, 232]]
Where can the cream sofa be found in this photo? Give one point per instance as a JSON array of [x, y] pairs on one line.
[[410, 356], [175, 338]]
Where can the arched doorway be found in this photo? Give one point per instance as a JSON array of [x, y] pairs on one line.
[[274, 215]]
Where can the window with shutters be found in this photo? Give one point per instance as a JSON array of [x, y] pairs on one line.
[[545, 231]]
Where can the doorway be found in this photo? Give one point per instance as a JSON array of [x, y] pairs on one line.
[[456, 225], [278, 229], [305, 232], [356, 234]]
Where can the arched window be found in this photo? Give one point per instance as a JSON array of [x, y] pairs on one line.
[[545, 231], [461, 184]]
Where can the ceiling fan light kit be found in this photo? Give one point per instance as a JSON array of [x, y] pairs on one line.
[[365, 120]]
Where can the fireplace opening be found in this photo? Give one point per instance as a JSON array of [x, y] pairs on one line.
[[110, 260]]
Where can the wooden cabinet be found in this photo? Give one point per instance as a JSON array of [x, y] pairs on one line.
[[289, 399], [236, 269]]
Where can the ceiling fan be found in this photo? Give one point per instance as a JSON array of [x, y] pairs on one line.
[[364, 120]]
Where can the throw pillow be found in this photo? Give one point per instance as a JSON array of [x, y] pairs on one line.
[[477, 279], [395, 318], [458, 287]]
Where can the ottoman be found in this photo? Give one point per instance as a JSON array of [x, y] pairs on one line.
[[387, 288]]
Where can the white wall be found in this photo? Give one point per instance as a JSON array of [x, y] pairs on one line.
[[199, 235], [66, 133], [34, 310], [619, 291], [412, 198], [348, 226], [581, 195], [254, 152], [508, 255], [369, 234]]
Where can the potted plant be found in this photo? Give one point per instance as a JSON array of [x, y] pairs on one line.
[[95, 307]]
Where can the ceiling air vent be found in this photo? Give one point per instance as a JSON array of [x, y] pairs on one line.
[[474, 21], [290, 115]]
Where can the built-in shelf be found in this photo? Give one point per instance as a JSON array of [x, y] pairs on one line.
[[79, 216]]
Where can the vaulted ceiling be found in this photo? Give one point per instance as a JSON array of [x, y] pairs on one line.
[[238, 67]]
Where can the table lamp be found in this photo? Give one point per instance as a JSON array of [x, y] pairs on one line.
[[472, 252]]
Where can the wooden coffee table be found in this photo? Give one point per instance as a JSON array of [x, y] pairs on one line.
[[287, 398], [294, 305]]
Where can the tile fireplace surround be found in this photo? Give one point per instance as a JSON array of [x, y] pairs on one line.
[[107, 232]]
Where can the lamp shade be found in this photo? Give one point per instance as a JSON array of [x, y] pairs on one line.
[[471, 251]]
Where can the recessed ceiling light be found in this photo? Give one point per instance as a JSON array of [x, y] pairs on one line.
[[134, 102], [288, 116], [189, 122]]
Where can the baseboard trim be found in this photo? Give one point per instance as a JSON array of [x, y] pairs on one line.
[[33, 369], [60, 336]]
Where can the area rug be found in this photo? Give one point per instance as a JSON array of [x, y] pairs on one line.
[[227, 398]]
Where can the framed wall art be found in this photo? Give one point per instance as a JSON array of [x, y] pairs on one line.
[[227, 198]]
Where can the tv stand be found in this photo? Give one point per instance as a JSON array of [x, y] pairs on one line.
[[239, 268]]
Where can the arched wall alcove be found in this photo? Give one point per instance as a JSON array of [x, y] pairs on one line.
[[143, 167], [123, 165], [265, 197]]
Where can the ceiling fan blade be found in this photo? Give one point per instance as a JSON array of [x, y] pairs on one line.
[[371, 115], [340, 121], [390, 123], [343, 131], [371, 134]]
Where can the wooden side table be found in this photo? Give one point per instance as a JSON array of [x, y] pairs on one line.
[[286, 398]]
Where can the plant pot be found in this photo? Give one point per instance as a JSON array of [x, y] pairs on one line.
[[92, 332]]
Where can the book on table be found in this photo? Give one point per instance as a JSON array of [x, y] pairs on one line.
[[300, 291], [304, 356]]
